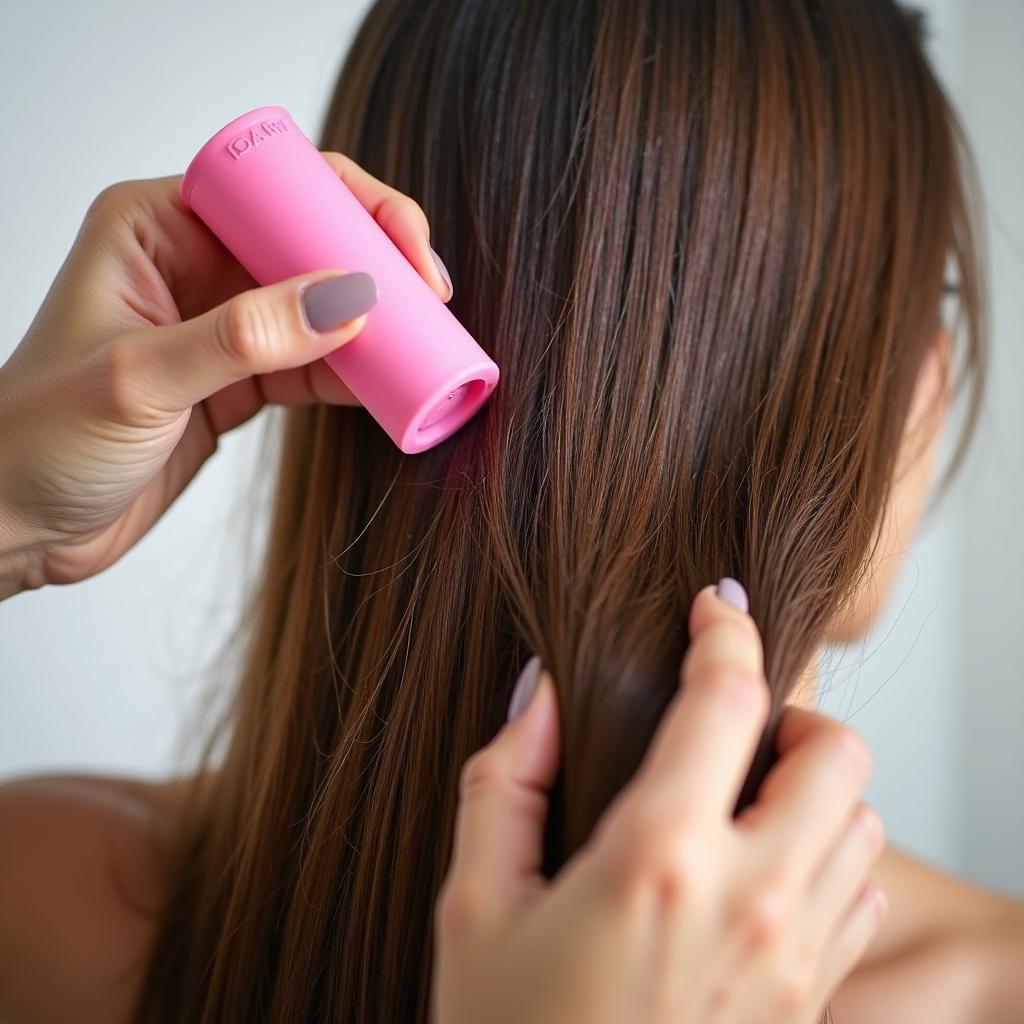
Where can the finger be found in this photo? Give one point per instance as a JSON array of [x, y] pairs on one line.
[[314, 383], [806, 800], [702, 750], [853, 936], [795, 725], [258, 332], [231, 407], [306, 385], [503, 799], [148, 217], [842, 875], [401, 217]]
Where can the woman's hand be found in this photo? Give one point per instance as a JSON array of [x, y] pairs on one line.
[[675, 911], [151, 343]]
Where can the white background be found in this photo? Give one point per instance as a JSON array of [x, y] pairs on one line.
[[105, 675]]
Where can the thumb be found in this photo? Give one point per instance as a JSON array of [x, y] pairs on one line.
[[277, 327], [503, 798]]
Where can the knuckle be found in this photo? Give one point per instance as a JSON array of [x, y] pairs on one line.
[[398, 206], [245, 333], [109, 202], [878, 902], [481, 772], [765, 913], [722, 998], [683, 866], [871, 827], [668, 856], [459, 908], [851, 747]]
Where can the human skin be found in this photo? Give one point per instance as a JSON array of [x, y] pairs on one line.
[[67, 935], [675, 911], [949, 952], [103, 426], [154, 345], [912, 484]]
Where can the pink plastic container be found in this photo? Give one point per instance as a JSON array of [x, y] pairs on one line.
[[266, 192]]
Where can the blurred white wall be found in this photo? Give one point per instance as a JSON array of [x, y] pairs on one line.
[[100, 676], [991, 553]]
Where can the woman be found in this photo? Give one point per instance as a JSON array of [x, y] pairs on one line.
[[706, 243]]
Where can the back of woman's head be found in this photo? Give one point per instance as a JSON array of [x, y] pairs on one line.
[[705, 240]]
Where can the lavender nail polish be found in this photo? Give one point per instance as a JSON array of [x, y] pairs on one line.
[[525, 688], [442, 269], [732, 592], [331, 303]]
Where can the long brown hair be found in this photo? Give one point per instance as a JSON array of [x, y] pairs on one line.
[[706, 242]]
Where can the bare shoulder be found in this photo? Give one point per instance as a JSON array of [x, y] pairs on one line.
[[81, 884], [950, 951]]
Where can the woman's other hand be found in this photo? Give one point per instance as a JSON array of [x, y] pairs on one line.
[[675, 911], [151, 343]]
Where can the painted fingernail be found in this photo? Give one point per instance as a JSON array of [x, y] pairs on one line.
[[525, 688], [442, 269], [732, 592], [331, 303]]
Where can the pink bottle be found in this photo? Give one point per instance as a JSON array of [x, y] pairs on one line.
[[266, 192]]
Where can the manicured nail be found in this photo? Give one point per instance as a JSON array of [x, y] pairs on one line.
[[525, 688], [442, 269], [731, 592], [331, 303]]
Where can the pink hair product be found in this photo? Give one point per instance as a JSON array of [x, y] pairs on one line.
[[266, 192]]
